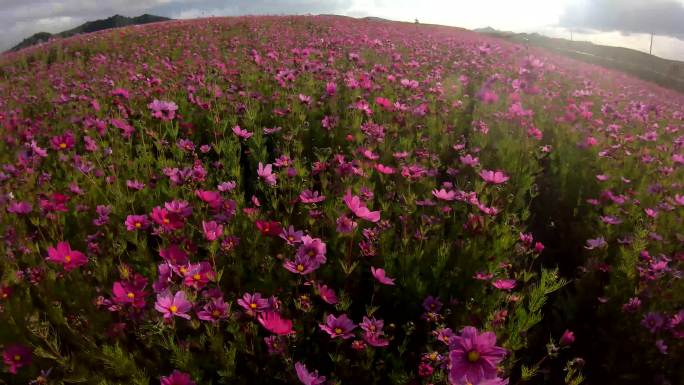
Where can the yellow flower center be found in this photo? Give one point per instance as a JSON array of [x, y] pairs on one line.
[[173, 308], [253, 305], [196, 277], [62, 145], [17, 357], [433, 356], [138, 225], [130, 295], [67, 258], [473, 356], [183, 270], [312, 253], [300, 267], [338, 330], [215, 313]]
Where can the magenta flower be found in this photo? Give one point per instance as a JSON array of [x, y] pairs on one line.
[[474, 356], [212, 230], [380, 276], [445, 195], [16, 356], [63, 254], [197, 275], [174, 255], [504, 284], [373, 333], [338, 327], [242, 134], [302, 264], [308, 196], [136, 222], [493, 177], [19, 208], [266, 174], [327, 294], [567, 338], [313, 248], [173, 306], [63, 142], [291, 236], [166, 219], [354, 204], [177, 378], [275, 323], [306, 377], [130, 292], [163, 110], [253, 303], [214, 311]]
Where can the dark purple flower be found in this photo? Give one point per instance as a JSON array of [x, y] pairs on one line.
[[16, 356], [338, 327]]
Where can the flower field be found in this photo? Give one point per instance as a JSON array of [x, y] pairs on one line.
[[310, 200]]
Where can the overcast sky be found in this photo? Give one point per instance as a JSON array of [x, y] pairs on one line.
[[615, 22]]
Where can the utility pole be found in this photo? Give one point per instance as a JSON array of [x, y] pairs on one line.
[[650, 50], [571, 39]]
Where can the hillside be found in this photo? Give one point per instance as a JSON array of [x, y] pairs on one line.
[[115, 21], [667, 73]]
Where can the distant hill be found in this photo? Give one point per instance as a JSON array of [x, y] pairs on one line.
[[667, 73], [115, 21]]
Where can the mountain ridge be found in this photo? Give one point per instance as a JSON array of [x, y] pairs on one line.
[[116, 21]]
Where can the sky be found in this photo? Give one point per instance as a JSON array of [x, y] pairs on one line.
[[626, 23]]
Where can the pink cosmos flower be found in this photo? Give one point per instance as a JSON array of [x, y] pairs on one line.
[[306, 377], [504, 284], [308, 196], [177, 378], [212, 198], [212, 230], [242, 134], [16, 356], [444, 195], [275, 323], [174, 255], [338, 327], [313, 248], [354, 204], [63, 254], [130, 292], [567, 338], [214, 311], [63, 142], [474, 357], [173, 306], [380, 276], [327, 294], [136, 222], [197, 275], [373, 333], [253, 303], [382, 169], [20, 208], [163, 110], [266, 174], [493, 177], [166, 219], [291, 236]]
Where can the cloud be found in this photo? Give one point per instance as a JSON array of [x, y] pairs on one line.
[[661, 17]]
